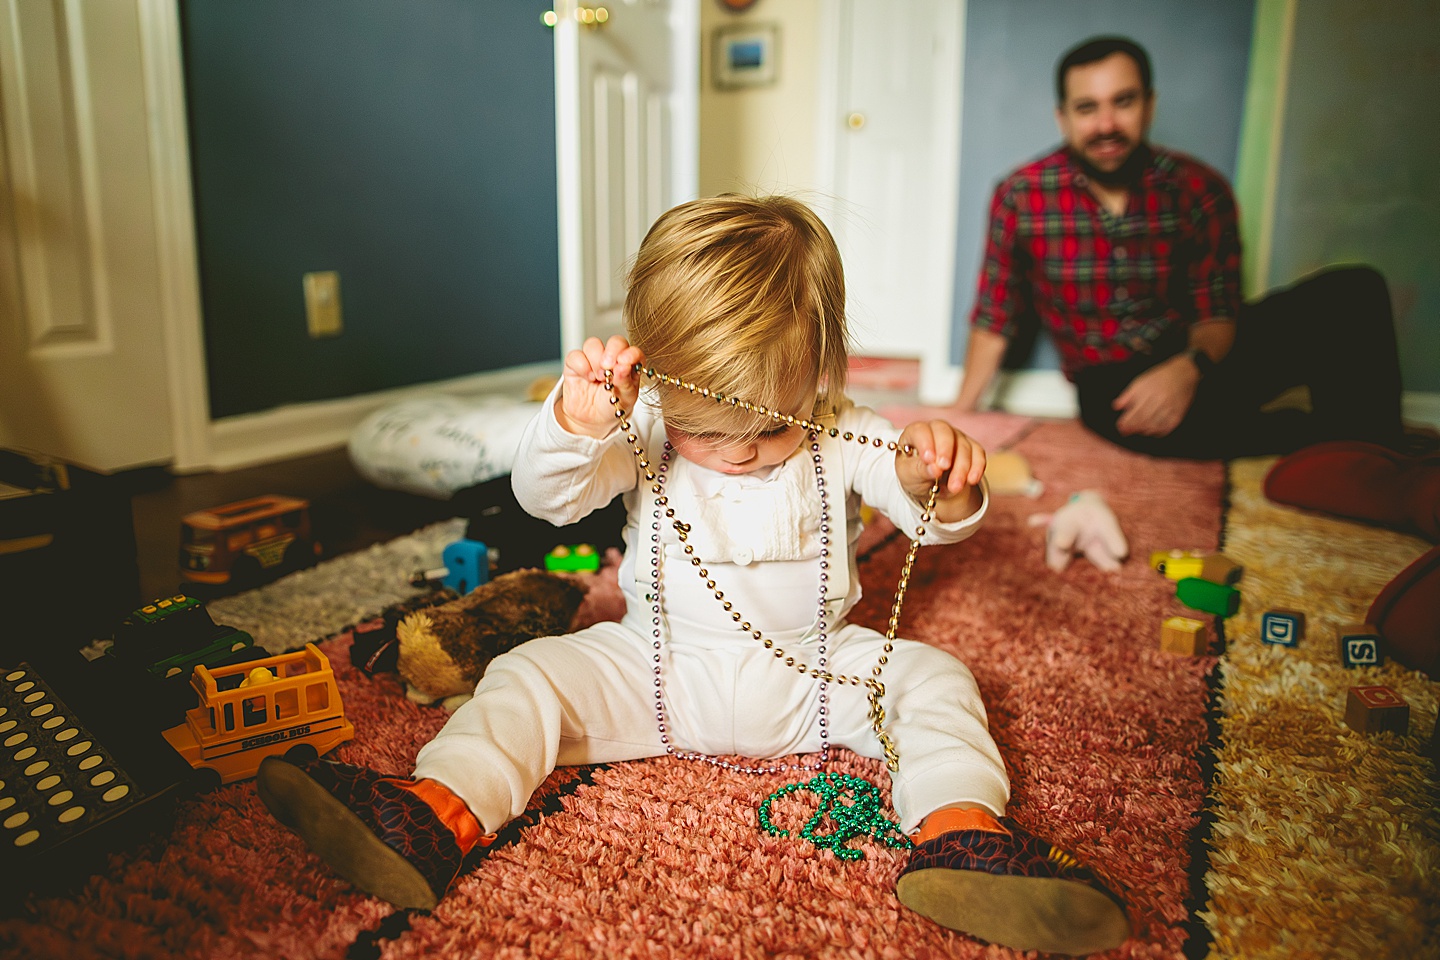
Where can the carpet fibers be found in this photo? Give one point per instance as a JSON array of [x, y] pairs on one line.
[[1104, 736], [1326, 841]]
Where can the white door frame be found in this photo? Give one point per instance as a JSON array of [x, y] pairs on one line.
[[939, 377], [576, 165]]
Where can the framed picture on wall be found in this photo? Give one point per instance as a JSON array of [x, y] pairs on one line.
[[746, 55]]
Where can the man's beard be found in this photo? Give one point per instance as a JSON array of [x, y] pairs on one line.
[[1125, 175]]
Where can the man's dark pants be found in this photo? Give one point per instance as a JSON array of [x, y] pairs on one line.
[[1332, 332]]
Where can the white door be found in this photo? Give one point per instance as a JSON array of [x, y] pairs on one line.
[[888, 153], [626, 114], [83, 367]]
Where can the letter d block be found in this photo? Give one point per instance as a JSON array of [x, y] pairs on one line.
[[1377, 710], [1360, 646], [1216, 598], [1284, 627], [1184, 635]]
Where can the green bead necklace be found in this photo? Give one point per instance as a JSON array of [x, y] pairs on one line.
[[859, 817]]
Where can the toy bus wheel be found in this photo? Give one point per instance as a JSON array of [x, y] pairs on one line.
[[301, 754], [206, 779]]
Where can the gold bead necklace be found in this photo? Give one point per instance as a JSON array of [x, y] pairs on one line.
[[874, 686]]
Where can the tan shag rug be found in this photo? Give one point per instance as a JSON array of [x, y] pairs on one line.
[[1326, 842]]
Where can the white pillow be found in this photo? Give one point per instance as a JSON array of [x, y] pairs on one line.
[[436, 445]]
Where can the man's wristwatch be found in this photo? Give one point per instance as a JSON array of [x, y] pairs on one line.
[[1202, 361]]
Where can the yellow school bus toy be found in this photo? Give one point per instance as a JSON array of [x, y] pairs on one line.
[[287, 705]]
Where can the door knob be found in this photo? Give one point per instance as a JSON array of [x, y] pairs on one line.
[[855, 121]]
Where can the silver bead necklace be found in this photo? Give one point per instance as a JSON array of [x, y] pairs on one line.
[[874, 687]]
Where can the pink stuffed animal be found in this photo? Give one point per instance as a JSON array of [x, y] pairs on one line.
[[1084, 525]]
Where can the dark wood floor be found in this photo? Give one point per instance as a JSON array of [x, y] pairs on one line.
[[347, 512]]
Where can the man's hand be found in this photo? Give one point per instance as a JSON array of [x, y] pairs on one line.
[[584, 406], [1156, 401], [944, 453]]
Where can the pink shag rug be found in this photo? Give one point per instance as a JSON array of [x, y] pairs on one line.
[[1103, 733]]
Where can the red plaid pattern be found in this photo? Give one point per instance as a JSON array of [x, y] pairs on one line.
[[1109, 287]]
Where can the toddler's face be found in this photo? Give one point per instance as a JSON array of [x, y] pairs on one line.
[[728, 455], [735, 455]]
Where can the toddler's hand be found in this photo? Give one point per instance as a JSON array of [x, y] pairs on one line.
[[584, 405], [944, 452]]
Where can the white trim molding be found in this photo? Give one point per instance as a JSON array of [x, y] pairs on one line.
[[1262, 134], [162, 62], [1032, 393], [1422, 409]]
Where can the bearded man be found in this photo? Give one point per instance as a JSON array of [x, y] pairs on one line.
[[1129, 255]]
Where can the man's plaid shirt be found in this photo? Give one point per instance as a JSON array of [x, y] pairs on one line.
[[1109, 287]]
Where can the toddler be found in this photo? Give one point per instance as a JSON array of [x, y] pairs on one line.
[[722, 421]]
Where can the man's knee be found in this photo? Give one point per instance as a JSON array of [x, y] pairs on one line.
[[1356, 285]]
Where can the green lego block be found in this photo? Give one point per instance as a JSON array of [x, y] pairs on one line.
[[580, 557], [1216, 598]]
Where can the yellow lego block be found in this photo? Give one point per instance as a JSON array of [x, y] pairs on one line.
[[1178, 564]]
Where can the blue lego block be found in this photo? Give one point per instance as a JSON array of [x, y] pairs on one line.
[[467, 565], [1283, 627], [1360, 646]]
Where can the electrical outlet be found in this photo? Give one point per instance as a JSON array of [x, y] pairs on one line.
[[322, 303]]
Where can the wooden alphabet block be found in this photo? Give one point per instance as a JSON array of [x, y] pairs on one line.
[[1360, 646], [1218, 568], [1377, 709], [1184, 635], [1283, 627], [1216, 598]]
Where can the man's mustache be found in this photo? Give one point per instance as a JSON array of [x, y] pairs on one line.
[[1106, 138]]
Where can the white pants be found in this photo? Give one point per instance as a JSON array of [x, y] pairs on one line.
[[589, 698]]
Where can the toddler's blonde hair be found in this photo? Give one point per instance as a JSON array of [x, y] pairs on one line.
[[744, 296]]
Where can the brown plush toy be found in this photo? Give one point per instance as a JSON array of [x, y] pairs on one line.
[[444, 650]]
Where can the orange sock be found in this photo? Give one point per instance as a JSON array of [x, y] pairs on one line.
[[950, 819], [452, 812]]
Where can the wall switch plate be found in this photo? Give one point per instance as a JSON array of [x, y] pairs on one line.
[[322, 303]]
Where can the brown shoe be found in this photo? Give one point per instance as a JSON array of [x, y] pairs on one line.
[[1013, 889], [378, 832]]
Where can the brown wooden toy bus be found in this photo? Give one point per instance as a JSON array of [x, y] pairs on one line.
[[247, 542], [280, 706]]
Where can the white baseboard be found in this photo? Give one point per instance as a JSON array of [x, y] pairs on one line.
[[1421, 408], [301, 429], [1034, 393], [1031, 393]]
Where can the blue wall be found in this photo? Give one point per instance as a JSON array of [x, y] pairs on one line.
[[1199, 51], [409, 146]]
